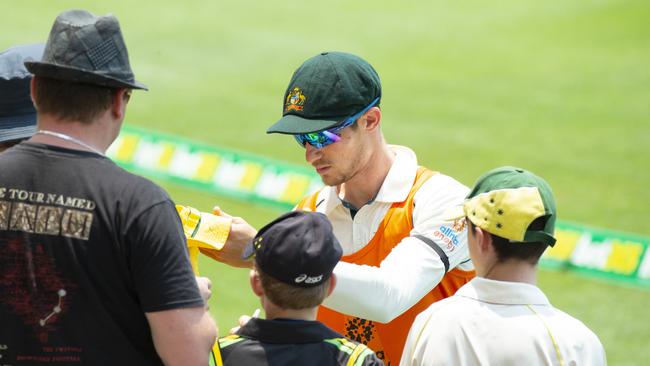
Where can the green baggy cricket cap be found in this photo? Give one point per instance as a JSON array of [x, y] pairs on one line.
[[324, 91], [506, 200]]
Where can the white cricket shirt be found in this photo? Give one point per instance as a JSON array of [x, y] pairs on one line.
[[413, 268], [491, 322]]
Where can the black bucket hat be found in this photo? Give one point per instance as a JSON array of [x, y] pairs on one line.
[[17, 113], [88, 49]]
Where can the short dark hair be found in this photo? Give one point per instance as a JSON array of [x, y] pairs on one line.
[[71, 101], [529, 251], [292, 297], [4, 145]]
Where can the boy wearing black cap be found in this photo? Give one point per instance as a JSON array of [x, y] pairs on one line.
[[294, 259]]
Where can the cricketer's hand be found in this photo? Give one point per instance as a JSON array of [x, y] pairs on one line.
[[241, 233]]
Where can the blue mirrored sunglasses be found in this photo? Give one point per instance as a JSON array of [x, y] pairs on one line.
[[327, 137]]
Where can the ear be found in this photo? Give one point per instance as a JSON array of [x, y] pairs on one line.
[[332, 284], [484, 239], [372, 118], [120, 100], [32, 90], [256, 283]]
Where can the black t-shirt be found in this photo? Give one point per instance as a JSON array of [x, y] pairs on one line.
[[86, 249]]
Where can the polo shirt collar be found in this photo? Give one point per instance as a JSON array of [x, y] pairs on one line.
[[396, 186], [503, 292], [287, 331]]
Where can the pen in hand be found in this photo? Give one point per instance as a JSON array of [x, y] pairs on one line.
[[243, 320]]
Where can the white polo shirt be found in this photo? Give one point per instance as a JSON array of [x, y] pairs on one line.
[[491, 322], [413, 268]]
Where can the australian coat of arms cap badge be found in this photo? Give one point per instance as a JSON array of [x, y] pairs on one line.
[[295, 100]]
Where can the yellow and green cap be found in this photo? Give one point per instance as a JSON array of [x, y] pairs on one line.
[[506, 200]]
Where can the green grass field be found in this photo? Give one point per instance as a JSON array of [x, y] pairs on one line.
[[559, 87]]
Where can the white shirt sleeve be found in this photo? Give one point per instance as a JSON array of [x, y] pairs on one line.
[[413, 267]]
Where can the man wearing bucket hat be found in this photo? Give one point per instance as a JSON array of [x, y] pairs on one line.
[[93, 264], [294, 258], [399, 255], [501, 317], [17, 113]]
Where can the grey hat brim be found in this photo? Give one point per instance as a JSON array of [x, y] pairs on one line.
[[17, 127], [291, 124], [249, 251], [54, 71]]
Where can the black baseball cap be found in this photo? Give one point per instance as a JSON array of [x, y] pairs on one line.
[[298, 248], [324, 91]]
